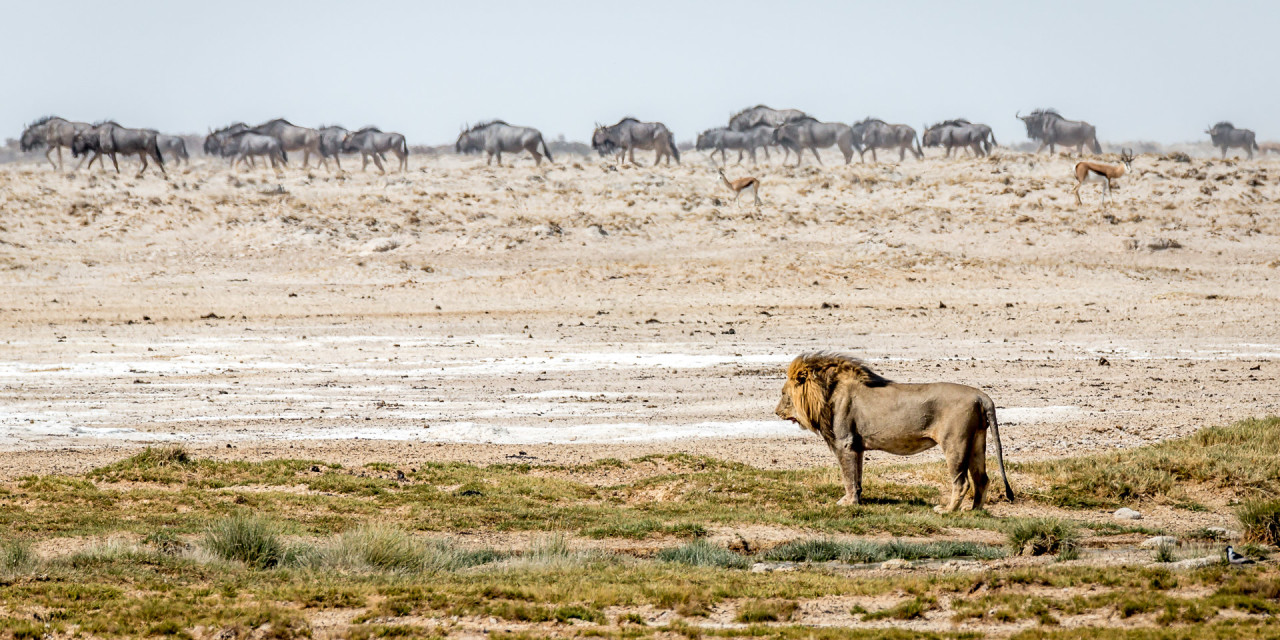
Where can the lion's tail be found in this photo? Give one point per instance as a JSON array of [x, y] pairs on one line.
[[989, 408]]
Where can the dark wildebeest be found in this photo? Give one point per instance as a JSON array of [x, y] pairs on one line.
[[292, 137], [331, 137], [722, 138], [110, 139], [977, 138], [175, 146], [1050, 128], [753, 117], [495, 136], [52, 132], [631, 134], [244, 145], [1225, 136], [214, 141], [874, 134], [808, 133], [372, 142]]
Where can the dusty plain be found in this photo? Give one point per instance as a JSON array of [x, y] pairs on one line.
[[561, 315]]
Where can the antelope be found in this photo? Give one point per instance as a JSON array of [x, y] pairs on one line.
[[740, 185], [1105, 173]]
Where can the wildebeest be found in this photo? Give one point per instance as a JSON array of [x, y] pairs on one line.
[[758, 115], [495, 136], [809, 133], [874, 133], [109, 139], [214, 141], [52, 132], [175, 146], [245, 144], [631, 134], [292, 137], [978, 138], [1225, 136], [1050, 128], [331, 137], [723, 138], [373, 142], [755, 116]]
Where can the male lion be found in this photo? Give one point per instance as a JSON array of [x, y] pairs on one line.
[[855, 410]]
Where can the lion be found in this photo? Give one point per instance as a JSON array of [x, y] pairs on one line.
[[855, 410]]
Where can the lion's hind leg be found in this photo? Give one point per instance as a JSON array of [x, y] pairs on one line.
[[978, 467], [957, 453]]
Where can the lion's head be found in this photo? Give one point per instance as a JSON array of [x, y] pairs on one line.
[[811, 378]]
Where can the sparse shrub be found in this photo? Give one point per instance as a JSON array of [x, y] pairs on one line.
[[1068, 554], [701, 553], [766, 611], [379, 547], [1164, 553], [632, 618], [1261, 521], [246, 539]]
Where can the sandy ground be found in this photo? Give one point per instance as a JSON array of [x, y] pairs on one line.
[[579, 310]]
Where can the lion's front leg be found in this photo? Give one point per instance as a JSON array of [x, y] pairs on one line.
[[851, 469]]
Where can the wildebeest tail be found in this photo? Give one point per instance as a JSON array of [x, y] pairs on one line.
[[989, 411], [1097, 148], [546, 151], [404, 146], [675, 151], [992, 144]]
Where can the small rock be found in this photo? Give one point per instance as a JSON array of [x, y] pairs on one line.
[[1195, 563], [380, 245], [1125, 513], [1159, 541], [896, 563], [1222, 533], [1103, 362], [760, 567]]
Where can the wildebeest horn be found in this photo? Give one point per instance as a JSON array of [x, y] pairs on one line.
[[1018, 114]]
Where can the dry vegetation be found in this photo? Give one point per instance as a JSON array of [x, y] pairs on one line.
[[457, 401]]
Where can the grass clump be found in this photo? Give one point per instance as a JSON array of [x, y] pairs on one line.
[[908, 610], [16, 556], [248, 539], [1164, 553], [1042, 536], [1261, 521], [866, 551], [701, 553], [1239, 458], [766, 611]]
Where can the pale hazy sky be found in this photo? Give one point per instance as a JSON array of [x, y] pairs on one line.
[[1137, 70]]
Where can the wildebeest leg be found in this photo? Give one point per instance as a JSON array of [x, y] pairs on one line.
[[978, 467], [902, 154], [142, 155], [115, 163], [739, 157], [537, 157], [498, 155], [765, 149], [815, 154], [48, 155], [364, 162], [378, 162]]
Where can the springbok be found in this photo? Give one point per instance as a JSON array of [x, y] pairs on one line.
[[740, 185], [1105, 173]]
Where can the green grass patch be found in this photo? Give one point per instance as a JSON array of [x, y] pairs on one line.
[[1261, 521], [865, 551], [248, 539], [908, 610], [1239, 458], [756, 611], [701, 553]]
